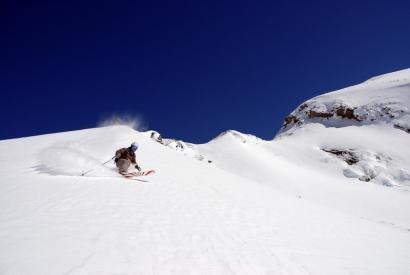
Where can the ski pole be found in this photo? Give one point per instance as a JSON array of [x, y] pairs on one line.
[[108, 160], [94, 168]]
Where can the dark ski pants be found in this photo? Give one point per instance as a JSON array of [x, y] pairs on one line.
[[123, 165]]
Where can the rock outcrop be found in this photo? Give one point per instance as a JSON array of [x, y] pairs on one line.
[[382, 99]]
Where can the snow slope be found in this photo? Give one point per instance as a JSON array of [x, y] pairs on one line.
[[286, 206]]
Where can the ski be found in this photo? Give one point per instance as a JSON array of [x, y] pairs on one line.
[[138, 174]]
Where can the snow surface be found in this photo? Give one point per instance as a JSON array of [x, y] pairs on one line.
[[284, 206]]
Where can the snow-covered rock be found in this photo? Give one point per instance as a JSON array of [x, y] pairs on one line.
[[187, 149], [383, 103], [382, 99]]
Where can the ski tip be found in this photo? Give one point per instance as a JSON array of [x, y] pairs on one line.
[[139, 173]]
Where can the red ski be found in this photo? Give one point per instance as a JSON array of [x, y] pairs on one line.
[[139, 174]]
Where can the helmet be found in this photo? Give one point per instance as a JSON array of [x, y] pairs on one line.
[[134, 146]]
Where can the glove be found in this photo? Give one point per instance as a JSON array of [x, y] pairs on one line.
[[137, 167]]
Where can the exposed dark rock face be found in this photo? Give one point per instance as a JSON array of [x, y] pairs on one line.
[[347, 113], [290, 120], [388, 112], [314, 111], [407, 130], [314, 114], [343, 112], [365, 178], [346, 155], [302, 107]]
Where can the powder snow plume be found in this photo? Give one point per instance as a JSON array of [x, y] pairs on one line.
[[134, 121]]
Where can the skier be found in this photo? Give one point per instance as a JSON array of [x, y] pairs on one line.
[[124, 157]]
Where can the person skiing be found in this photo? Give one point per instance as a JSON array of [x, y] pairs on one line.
[[124, 157]]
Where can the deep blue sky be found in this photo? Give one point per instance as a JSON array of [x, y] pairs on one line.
[[191, 68]]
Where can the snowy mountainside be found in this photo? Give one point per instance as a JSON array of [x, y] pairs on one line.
[[258, 209], [190, 149], [351, 130], [382, 103], [382, 99]]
